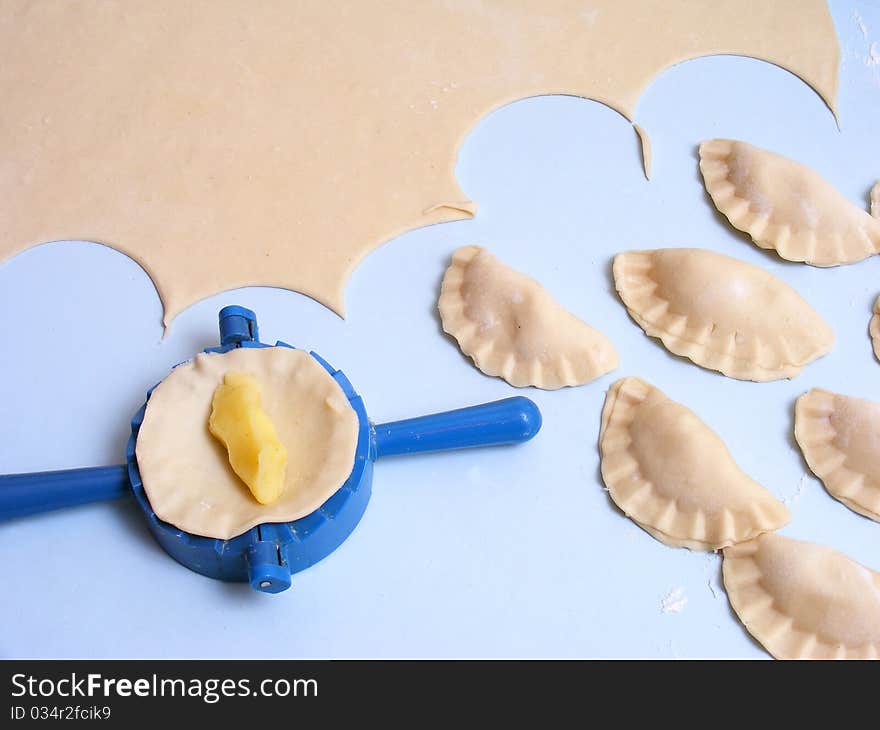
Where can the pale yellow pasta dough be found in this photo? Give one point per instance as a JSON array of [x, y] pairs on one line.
[[840, 438], [185, 470], [511, 327], [224, 143], [802, 600], [674, 477], [722, 313], [786, 206]]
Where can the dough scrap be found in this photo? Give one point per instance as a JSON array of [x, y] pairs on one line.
[[875, 328], [840, 438], [511, 327], [674, 477], [786, 206], [276, 143], [721, 313], [185, 470], [645, 144], [802, 600]]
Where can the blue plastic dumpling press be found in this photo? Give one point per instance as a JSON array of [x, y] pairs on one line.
[[266, 556]]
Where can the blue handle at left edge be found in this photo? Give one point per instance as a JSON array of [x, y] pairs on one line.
[[28, 494], [507, 421]]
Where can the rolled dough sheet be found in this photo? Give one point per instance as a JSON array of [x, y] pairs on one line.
[[186, 471], [224, 143]]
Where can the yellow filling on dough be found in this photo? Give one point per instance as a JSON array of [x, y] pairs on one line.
[[239, 422]]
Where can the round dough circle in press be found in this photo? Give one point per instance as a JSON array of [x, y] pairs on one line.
[[185, 470]]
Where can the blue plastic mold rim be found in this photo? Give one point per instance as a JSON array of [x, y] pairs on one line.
[[265, 556]]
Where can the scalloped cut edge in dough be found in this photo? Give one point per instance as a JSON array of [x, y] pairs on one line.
[[803, 601], [277, 143], [735, 350], [826, 424], [511, 327], [784, 205], [710, 526]]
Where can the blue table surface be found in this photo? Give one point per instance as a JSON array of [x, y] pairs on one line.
[[506, 552]]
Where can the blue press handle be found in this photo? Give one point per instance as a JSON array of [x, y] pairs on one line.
[[507, 421], [27, 494]]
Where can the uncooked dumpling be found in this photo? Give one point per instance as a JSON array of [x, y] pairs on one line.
[[840, 438], [511, 327], [671, 474], [722, 313], [875, 328], [185, 470], [802, 600], [785, 206]]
